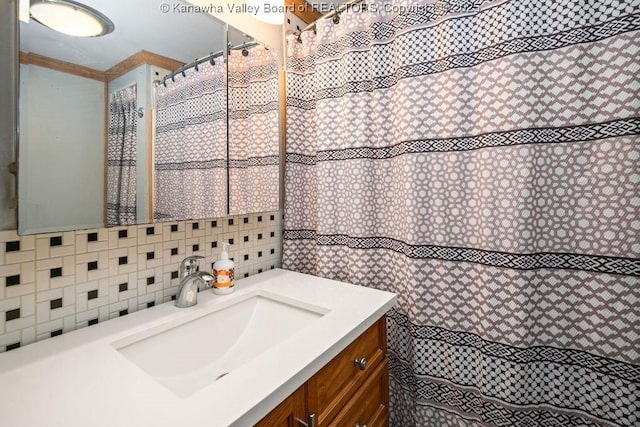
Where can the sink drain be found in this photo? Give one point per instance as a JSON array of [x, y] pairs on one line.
[[221, 375]]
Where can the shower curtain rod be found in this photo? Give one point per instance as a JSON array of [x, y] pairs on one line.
[[211, 57], [331, 14]]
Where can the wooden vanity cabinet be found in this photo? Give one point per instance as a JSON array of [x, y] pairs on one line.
[[351, 390], [287, 413]]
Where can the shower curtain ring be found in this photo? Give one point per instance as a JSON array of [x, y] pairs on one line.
[[336, 18], [196, 66], [183, 73], [299, 39], [211, 60]]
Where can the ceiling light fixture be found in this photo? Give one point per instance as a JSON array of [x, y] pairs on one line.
[[70, 17], [269, 11]]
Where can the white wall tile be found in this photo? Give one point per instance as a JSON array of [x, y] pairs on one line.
[[231, 224], [131, 265], [190, 231], [83, 317], [167, 250], [62, 312], [43, 330], [8, 236], [28, 335], [69, 323], [145, 238], [28, 305], [9, 304], [27, 272], [20, 256], [98, 302], [43, 248], [9, 338], [43, 312], [115, 241], [116, 308], [155, 250], [8, 270], [68, 245], [214, 226], [21, 323]]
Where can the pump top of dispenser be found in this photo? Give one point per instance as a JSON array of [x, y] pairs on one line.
[[224, 255]]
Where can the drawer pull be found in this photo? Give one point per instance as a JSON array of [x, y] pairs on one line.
[[311, 421], [362, 364]]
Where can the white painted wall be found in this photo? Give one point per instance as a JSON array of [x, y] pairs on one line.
[[62, 132]]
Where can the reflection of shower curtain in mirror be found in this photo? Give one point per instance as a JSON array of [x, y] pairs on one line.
[[191, 145], [121, 158], [253, 131]]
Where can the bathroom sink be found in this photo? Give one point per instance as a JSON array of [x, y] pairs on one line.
[[187, 355]]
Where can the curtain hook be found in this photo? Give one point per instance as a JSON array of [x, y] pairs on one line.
[[173, 78], [164, 81], [183, 73], [196, 66], [299, 38], [336, 18], [211, 60]]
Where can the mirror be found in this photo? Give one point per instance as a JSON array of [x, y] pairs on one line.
[[68, 123], [190, 147], [254, 123]]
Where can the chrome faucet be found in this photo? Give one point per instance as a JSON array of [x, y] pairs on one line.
[[191, 280], [190, 264]]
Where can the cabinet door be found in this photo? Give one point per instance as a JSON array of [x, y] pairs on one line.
[[370, 405], [336, 383], [287, 414]]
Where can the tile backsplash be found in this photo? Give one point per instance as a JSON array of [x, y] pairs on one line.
[[57, 282]]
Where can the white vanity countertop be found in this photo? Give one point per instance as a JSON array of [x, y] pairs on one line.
[[80, 379]]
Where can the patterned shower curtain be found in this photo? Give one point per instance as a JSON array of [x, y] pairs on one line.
[[191, 144], [254, 165], [482, 160], [121, 158]]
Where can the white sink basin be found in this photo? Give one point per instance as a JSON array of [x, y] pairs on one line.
[[187, 355]]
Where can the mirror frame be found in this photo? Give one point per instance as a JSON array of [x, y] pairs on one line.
[[9, 49]]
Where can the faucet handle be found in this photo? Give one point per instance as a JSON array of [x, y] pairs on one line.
[[207, 279], [189, 265]]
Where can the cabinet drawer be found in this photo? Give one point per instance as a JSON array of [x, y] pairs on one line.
[[337, 382], [370, 405]]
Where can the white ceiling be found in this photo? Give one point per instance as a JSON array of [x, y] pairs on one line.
[[139, 24]]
